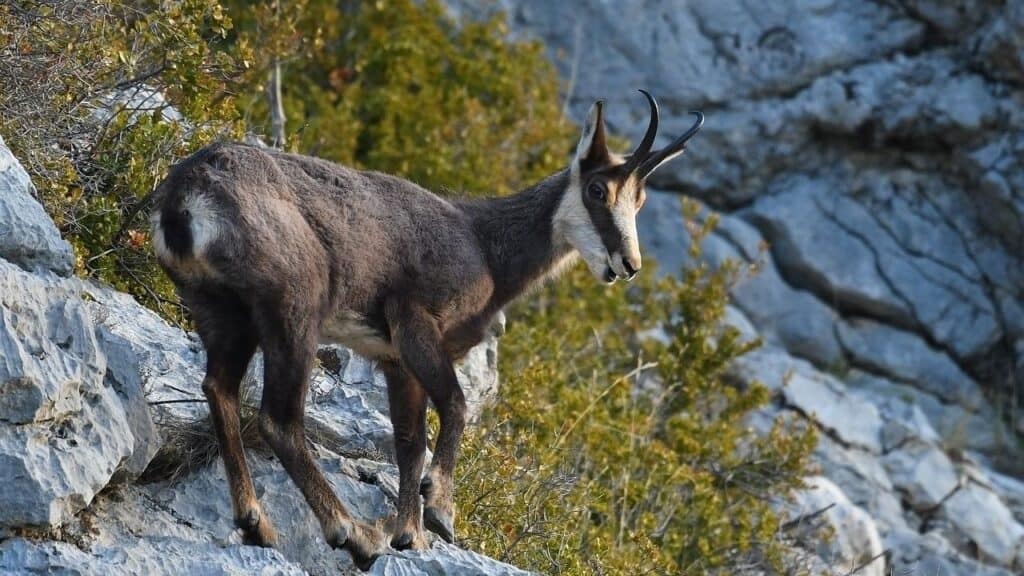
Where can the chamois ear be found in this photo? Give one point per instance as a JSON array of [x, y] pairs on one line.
[[592, 149]]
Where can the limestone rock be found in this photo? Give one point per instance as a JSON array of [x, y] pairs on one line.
[[958, 427], [853, 421], [156, 557], [864, 480], [111, 357], [857, 539], [63, 431], [905, 422], [906, 357], [28, 237], [450, 561], [982, 520], [930, 553], [922, 473], [791, 318]]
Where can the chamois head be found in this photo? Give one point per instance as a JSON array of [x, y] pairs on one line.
[[598, 213]]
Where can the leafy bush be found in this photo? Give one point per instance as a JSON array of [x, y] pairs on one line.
[[81, 106], [397, 86], [616, 447]]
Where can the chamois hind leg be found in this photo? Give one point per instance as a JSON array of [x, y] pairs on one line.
[[289, 339], [418, 338], [224, 325], [408, 407]]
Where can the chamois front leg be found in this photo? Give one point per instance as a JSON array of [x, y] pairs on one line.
[[408, 407], [289, 345], [420, 348]]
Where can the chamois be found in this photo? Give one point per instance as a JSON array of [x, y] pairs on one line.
[[283, 252]]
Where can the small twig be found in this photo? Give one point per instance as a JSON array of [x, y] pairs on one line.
[[129, 219], [599, 397], [869, 561], [176, 389], [801, 519], [142, 77], [178, 401]]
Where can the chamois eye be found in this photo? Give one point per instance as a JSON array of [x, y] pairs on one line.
[[596, 191]]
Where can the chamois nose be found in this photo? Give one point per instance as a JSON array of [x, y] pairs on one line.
[[631, 266]]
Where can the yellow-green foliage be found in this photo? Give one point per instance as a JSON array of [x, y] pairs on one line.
[[92, 160], [616, 447], [397, 86]]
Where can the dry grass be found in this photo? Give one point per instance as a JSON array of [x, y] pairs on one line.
[[190, 444]]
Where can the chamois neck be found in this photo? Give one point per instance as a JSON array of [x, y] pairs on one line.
[[517, 235]]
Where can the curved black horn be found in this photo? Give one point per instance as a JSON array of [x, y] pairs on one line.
[[670, 151], [644, 149]]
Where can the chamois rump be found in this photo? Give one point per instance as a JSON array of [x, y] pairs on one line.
[[284, 252]]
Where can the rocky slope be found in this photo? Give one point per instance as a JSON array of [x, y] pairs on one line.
[[876, 149], [93, 387]]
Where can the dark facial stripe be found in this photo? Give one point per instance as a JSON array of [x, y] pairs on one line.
[[601, 216]]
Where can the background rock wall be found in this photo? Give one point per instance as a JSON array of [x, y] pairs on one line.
[[876, 149]]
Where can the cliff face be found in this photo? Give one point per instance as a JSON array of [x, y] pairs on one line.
[[876, 148], [94, 387]]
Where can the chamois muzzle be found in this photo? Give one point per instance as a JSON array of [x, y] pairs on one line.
[[610, 275], [621, 267], [631, 268]]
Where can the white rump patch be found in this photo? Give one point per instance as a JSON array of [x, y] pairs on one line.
[[205, 226], [159, 244], [205, 222]]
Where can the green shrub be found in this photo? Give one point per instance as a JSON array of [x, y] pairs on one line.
[[397, 86], [93, 157]]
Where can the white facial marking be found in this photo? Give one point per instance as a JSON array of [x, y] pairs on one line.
[[624, 217], [572, 224]]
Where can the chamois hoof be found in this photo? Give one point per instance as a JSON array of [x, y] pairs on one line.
[[408, 541], [256, 529], [363, 543], [364, 563], [439, 523]]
